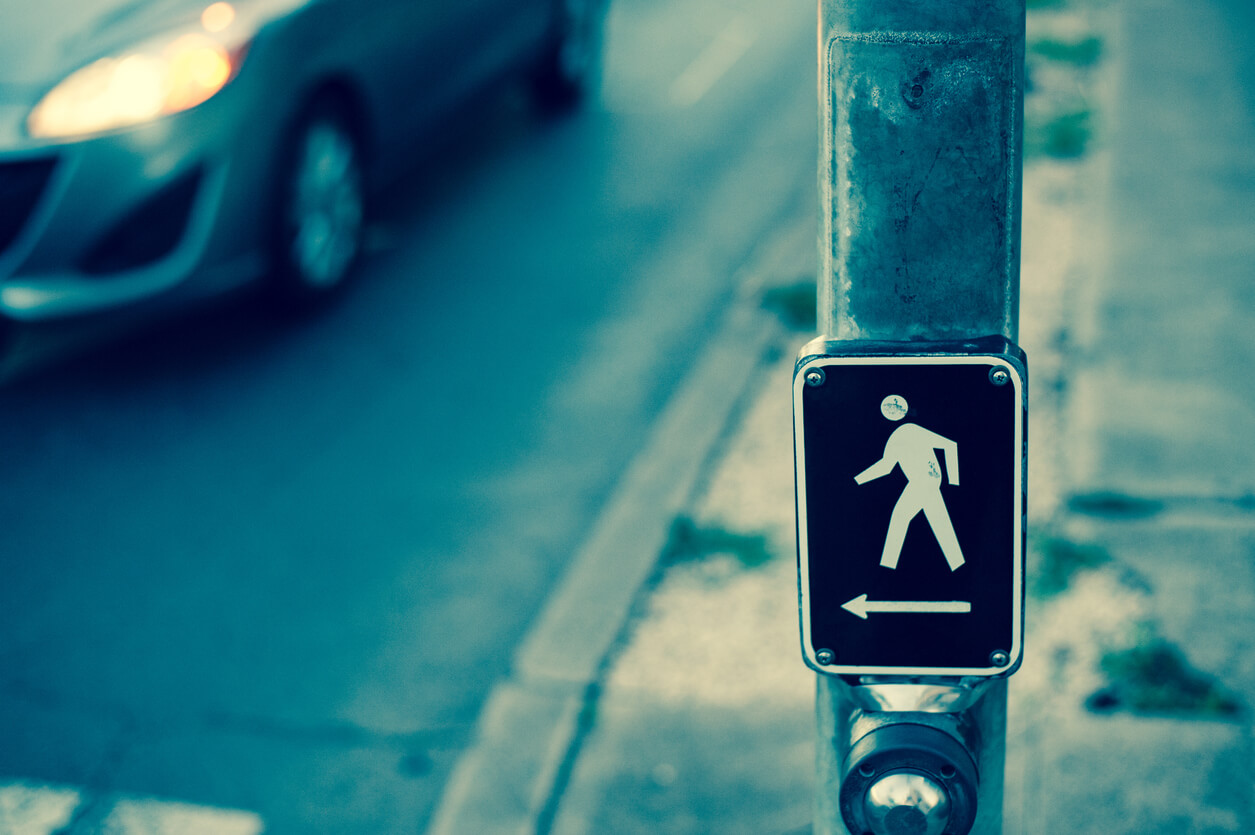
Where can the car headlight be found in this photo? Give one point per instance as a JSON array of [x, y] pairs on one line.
[[154, 80]]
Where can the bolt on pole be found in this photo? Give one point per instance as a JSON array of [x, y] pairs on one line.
[[920, 169]]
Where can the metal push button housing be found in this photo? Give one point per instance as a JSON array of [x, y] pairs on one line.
[[909, 779]]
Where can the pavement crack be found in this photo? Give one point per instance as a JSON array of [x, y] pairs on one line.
[[98, 789]]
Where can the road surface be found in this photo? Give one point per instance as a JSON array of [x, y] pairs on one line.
[[263, 576]]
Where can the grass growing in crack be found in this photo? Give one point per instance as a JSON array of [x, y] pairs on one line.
[[1114, 505], [1061, 560], [1153, 676], [690, 542], [1081, 52], [1062, 135], [795, 304]]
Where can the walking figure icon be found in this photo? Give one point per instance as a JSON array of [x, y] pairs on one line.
[[913, 449]]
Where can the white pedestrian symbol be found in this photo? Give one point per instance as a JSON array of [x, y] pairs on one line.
[[912, 447]]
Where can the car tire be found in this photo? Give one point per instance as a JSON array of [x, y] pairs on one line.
[[320, 207], [571, 63]]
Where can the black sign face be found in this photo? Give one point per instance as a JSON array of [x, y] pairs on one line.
[[910, 490]]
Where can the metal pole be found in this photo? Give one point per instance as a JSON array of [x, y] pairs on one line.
[[921, 114]]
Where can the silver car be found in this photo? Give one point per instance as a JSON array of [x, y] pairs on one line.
[[159, 151]]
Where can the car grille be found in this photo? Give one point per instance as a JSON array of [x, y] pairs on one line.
[[150, 232], [21, 183]]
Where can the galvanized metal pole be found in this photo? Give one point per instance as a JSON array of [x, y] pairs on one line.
[[921, 114], [921, 105]]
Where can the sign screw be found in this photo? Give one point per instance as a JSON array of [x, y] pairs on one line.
[[815, 377], [999, 658], [825, 656], [999, 376]]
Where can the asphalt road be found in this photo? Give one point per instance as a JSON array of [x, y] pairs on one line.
[[273, 570]]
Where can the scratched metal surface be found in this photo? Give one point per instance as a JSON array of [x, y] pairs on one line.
[[920, 167]]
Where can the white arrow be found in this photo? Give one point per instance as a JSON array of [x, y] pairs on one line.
[[861, 606]]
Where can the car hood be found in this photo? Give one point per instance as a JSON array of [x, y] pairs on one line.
[[42, 42]]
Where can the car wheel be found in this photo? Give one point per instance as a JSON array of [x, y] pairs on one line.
[[321, 207], [571, 63]]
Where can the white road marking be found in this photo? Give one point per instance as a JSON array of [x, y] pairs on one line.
[[146, 816], [32, 809], [713, 62], [29, 808]]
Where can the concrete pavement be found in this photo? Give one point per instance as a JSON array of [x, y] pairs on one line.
[[1155, 630]]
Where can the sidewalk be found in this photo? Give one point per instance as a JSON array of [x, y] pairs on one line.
[[1144, 571], [1131, 713]]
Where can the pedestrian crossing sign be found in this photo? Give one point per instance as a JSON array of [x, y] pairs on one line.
[[910, 507]]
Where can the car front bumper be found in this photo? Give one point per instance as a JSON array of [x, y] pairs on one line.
[[161, 211]]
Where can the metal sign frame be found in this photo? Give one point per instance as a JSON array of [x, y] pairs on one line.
[[1000, 356]]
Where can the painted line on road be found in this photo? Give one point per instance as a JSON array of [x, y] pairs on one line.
[[721, 55], [30, 808]]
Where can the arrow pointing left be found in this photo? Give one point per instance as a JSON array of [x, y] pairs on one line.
[[861, 606]]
